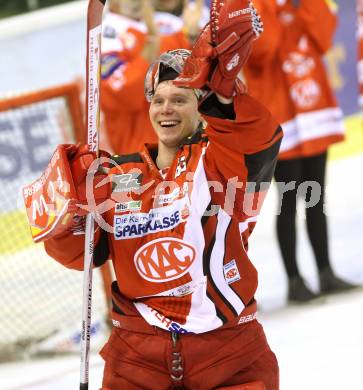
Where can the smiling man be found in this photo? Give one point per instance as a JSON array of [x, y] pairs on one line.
[[176, 227], [173, 115]]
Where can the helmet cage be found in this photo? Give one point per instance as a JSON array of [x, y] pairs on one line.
[[173, 59]]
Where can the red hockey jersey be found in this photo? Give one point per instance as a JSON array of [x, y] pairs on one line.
[[287, 74], [179, 242]]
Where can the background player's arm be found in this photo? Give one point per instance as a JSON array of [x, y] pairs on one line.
[[192, 14]]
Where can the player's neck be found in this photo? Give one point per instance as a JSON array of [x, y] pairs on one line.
[[165, 156]]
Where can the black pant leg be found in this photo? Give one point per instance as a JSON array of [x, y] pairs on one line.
[[287, 175], [314, 169]]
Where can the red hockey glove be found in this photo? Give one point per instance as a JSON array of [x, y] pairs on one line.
[[89, 193], [234, 26], [64, 192], [222, 48], [197, 67]]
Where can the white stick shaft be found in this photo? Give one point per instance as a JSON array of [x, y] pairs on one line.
[[94, 32], [87, 300]]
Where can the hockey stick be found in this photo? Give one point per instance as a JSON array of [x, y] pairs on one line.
[[94, 33]]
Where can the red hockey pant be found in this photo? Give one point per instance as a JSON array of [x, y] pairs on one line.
[[223, 357]]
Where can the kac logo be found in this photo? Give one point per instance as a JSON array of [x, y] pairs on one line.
[[164, 259]]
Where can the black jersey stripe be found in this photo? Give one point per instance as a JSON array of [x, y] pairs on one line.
[[219, 314], [261, 166]]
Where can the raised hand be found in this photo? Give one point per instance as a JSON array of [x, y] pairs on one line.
[[152, 43], [192, 13], [234, 26], [222, 48]]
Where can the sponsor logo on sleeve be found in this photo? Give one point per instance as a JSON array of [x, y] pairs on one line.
[[164, 259], [231, 273]]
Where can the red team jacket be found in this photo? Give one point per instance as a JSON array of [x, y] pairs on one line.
[[286, 73], [179, 243]]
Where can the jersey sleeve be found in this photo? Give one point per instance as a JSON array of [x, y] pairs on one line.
[[68, 249], [242, 153]]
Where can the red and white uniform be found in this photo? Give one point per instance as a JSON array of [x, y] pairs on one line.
[[179, 242], [360, 50], [287, 74]]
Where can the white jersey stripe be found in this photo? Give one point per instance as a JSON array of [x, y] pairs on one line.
[[311, 125], [244, 225], [203, 310], [216, 263]]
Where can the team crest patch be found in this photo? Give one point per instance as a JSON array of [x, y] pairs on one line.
[[231, 273]]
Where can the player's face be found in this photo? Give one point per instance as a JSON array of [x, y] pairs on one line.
[[174, 113]]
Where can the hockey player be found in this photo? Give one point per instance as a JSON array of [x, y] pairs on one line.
[[286, 72], [176, 220]]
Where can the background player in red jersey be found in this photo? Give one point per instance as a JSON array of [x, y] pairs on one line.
[[286, 72]]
